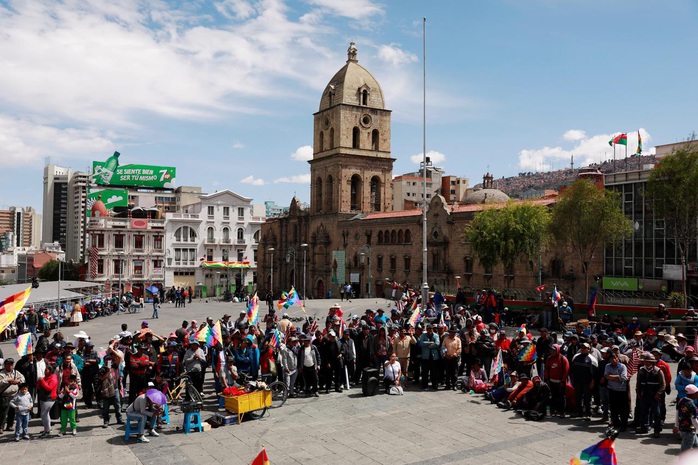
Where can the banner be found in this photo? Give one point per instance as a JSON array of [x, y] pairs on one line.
[[339, 266], [619, 284], [109, 173], [110, 198]]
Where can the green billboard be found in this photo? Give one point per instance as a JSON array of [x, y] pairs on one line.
[[620, 284], [110, 173], [110, 198]]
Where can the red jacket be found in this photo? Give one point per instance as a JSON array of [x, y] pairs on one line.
[[664, 366], [557, 367], [521, 390], [49, 384]]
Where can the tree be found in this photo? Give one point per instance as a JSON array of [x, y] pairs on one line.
[[515, 232], [672, 186], [586, 219], [49, 272]]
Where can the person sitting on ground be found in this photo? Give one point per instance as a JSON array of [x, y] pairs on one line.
[[511, 382], [477, 378], [535, 402], [392, 372], [516, 396]]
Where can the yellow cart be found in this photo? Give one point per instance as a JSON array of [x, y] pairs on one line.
[[256, 400]]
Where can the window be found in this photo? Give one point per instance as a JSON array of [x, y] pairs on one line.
[[157, 242], [138, 242], [241, 255], [241, 213], [210, 211], [185, 257], [400, 237], [185, 234], [256, 237], [157, 266], [226, 235], [321, 142], [407, 263], [364, 97], [393, 237], [254, 255], [379, 262], [468, 262], [100, 266], [118, 241], [318, 195], [355, 135], [408, 236], [209, 235], [376, 193], [226, 213], [117, 266], [393, 262], [224, 255], [209, 255], [98, 240], [138, 267], [241, 235], [380, 237], [375, 140], [355, 192]]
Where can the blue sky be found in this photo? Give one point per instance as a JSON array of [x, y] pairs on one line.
[[225, 89]]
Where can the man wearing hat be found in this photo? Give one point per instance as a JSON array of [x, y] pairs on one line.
[[137, 366], [89, 371], [194, 359], [169, 364], [666, 371], [288, 360], [583, 373], [364, 351], [310, 361], [10, 379], [649, 389]]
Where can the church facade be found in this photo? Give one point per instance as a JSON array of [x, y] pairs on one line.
[[350, 234]]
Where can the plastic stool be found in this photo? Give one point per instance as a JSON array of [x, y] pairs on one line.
[[130, 429], [192, 420], [165, 417]]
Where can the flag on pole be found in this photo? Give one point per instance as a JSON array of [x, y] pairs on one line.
[[540, 288], [496, 364], [274, 338], [261, 458], [528, 354], [620, 139], [10, 307], [602, 453], [639, 143], [634, 362], [416, 316], [253, 310], [591, 311], [23, 344], [557, 297]]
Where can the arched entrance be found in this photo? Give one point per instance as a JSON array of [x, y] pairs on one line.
[[320, 289]]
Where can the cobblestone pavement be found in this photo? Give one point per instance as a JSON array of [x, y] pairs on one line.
[[421, 427]]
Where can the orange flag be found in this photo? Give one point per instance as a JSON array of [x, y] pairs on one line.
[[261, 458]]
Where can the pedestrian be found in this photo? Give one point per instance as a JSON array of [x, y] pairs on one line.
[[616, 377], [10, 379], [110, 393], [69, 403], [47, 391], [22, 402], [430, 357], [156, 306], [649, 389], [309, 359], [687, 418], [583, 372]]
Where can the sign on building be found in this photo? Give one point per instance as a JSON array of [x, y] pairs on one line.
[[110, 173], [619, 284]]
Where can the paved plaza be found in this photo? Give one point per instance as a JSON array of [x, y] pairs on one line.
[[429, 427]]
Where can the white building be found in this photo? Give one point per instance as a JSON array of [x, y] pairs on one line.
[[213, 246]]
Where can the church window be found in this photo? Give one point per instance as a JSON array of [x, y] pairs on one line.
[[393, 237], [408, 236], [321, 142], [329, 189], [364, 97], [375, 140], [400, 237], [355, 136], [380, 237], [355, 199], [376, 193], [318, 195]]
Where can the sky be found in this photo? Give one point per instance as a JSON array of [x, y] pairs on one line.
[[225, 90]]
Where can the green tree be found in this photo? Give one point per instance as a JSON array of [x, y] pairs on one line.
[[586, 219], [49, 272], [672, 185], [515, 232]]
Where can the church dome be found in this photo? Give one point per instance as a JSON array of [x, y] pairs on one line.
[[485, 194], [352, 85]]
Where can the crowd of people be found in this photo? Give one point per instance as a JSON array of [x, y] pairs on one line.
[[581, 373]]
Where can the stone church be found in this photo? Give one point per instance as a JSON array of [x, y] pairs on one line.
[[350, 234]]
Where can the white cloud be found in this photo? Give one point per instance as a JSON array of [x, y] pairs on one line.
[[254, 181], [297, 179], [356, 9], [24, 142], [303, 153], [586, 150], [574, 134], [395, 56], [234, 9], [237, 145], [436, 157]]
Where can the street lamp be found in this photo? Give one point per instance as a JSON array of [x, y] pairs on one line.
[[58, 316], [304, 246], [291, 254], [271, 250], [367, 248], [121, 272]]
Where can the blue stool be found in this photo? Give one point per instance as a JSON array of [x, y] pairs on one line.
[[192, 420], [165, 417], [130, 429]]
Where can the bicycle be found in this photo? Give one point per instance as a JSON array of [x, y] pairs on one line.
[[279, 390], [184, 388]]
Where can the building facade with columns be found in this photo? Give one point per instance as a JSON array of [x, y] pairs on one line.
[[350, 233]]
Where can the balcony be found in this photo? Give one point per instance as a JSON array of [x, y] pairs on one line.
[[185, 216], [226, 240], [211, 240], [239, 241]]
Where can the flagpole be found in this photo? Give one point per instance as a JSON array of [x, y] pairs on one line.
[[614, 157], [425, 282]]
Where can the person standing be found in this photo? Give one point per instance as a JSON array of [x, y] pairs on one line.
[[583, 372], [156, 305], [452, 351], [403, 346], [649, 389], [10, 379], [194, 359], [69, 398], [47, 391], [288, 359], [364, 351], [22, 402], [110, 393], [687, 419], [430, 357], [616, 377], [309, 359]]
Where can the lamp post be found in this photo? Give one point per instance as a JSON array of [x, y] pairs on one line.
[[168, 262], [304, 246], [291, 254], [364, 250], [271, 250], [58, 316], [121, 272]]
